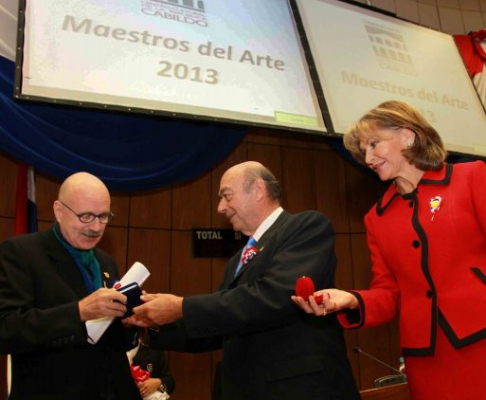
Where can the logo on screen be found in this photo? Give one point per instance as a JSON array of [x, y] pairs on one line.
[[184, 11], [390, 49]]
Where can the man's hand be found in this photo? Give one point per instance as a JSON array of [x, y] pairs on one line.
[[159, 309], [102, 303]]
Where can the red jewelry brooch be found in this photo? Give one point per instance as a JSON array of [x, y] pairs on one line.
[[248, 255], [435, 204]]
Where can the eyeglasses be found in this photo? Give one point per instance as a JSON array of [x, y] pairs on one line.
[[89, 217]]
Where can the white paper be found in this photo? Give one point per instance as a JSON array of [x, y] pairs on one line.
[[96, 327]]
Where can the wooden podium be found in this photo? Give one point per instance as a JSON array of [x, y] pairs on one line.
[[392, 392]]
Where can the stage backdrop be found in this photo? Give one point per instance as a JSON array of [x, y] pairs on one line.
[[128, 152]]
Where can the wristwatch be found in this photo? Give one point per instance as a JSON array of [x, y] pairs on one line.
[[162, 388]]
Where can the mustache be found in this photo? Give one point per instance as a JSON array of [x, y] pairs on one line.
[[91, 233]]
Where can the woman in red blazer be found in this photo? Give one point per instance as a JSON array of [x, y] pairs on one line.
[[427, 237]]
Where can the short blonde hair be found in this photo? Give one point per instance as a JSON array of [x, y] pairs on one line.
[[426, 153]]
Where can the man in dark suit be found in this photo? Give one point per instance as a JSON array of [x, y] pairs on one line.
[[51, 283], [271, 350]]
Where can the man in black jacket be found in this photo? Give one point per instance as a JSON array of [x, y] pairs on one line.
[[271, 350], [51, 284]]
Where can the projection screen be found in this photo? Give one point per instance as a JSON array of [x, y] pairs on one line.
[[238, 61], [364, 57]]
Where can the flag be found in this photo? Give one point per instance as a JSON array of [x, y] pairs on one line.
[[25, 222], [26, 208], [472, 49]]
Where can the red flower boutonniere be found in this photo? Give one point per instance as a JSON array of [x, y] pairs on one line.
[[435, 204], [248, 255]]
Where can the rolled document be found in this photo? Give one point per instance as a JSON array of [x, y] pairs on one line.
[[96, 327]]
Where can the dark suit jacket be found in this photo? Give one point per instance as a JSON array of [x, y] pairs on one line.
[[155, 361], [40, 287], [271, 348]]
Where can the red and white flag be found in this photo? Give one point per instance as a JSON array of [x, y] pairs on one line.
[[25, 222], [26, 207]]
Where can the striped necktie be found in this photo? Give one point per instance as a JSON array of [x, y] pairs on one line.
[[251, 242]]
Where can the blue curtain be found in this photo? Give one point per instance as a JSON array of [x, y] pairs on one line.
[[128, 152]]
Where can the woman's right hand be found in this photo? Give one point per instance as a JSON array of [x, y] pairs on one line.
[[333, 300]]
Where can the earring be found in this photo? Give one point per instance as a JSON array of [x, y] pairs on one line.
[[410, 143]]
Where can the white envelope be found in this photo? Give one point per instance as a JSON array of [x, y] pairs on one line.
[[96, 327]]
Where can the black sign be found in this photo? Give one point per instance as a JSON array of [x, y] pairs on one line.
[[215, 243]]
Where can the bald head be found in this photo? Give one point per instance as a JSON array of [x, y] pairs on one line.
[[250, 171], [82, 193], [82, 183], [249, 194]]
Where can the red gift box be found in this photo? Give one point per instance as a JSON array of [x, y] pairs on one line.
[[304, 287]]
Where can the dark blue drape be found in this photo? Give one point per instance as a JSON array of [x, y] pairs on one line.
[[128, 152]]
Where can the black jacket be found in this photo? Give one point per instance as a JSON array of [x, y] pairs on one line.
[[40, 287], [271, 348], [155, 361]]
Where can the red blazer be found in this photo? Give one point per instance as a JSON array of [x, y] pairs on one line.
[[429, 260]]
